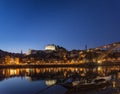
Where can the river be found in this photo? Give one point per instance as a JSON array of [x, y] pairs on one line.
[[43, 80]]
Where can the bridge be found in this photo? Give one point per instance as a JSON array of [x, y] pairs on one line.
[[106, 50]]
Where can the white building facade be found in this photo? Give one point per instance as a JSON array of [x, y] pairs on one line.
[[51, 47]]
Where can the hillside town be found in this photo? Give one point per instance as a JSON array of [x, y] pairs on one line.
[[54, 54]]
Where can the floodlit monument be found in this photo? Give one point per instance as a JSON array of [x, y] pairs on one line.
[[50, 47]]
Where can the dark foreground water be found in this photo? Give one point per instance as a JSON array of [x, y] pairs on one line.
[[44, 80]]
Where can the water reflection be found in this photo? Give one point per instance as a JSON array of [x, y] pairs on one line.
[[50, 82], [50, 76], [54, 73]]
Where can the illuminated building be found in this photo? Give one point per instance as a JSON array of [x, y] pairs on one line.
[[31, 52], [50, 47], [17, 60], [11, 60], [7, 59], [14, 60]]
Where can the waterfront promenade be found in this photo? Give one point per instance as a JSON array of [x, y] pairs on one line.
[[58, 65]]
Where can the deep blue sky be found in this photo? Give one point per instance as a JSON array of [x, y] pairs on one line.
[[32, 24]]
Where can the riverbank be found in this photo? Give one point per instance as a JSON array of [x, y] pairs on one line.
[[57, 65]]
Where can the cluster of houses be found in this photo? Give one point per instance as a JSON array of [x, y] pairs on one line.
[[56, 54]]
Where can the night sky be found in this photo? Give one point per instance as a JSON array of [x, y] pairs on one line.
[[32, 24]]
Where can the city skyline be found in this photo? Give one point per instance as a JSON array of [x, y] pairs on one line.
[[32, 24]]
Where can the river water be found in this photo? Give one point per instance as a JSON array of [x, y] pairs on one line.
[[43, 80]]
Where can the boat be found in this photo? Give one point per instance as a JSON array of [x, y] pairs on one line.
[[98, 82], [107, 78], [71, 81]]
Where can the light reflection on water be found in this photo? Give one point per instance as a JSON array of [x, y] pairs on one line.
[[42, 80]]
